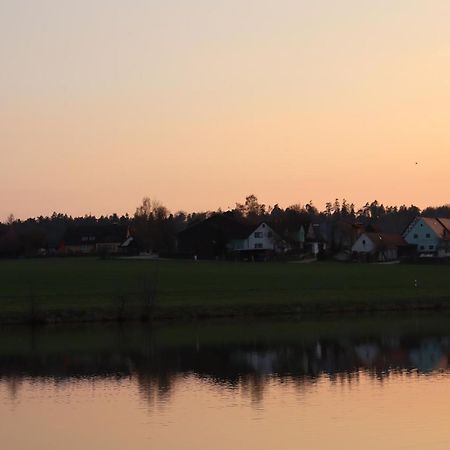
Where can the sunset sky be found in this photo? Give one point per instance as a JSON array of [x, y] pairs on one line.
[[198, 103]]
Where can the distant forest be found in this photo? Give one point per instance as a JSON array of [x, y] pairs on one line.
[[155, 227]]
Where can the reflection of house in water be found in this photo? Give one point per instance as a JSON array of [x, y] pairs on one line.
[[146, 358], [428, 356], [263, 363], [367, 353]]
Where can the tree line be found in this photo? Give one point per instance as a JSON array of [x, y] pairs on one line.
[[155, 228]]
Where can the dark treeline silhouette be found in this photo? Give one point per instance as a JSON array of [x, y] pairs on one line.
[[155, 228]]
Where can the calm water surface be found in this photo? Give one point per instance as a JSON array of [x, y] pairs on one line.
[[353, 384]]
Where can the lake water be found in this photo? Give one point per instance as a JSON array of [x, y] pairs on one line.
[[341, 384]]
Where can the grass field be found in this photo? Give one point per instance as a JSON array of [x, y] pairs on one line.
[[93, 288]]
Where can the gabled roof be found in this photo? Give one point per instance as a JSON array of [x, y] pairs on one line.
[[440, 226], [385, 240], [220, 223], [272, 226], [278, 231]]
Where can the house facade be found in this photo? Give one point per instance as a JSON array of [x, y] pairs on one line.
[[430, 236], [221, 236], [379, 247], [262, 238]]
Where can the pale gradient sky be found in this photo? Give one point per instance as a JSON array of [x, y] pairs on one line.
[[199, 103]]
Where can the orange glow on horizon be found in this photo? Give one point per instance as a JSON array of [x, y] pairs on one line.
[[198, 105]]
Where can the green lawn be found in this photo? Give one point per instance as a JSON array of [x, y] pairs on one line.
[[70, 285]]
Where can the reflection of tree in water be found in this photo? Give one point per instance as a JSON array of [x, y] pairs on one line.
[[253, 386], [247, 367], [252, 367], [13, 385], [155, 389]]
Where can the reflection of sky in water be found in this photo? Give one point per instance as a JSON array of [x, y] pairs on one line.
[[404, 410]]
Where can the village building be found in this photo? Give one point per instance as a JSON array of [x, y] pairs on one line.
[[96, 239], [317, 238], [344, 235], [263, 239], [221, 236], [380, 247], [210, 238], [430, 236], [297, 234]]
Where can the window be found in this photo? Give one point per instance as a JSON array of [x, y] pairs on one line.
[[258, 234], [428, 235], [416, 236], [258, 246], [364, 242], [431, 247], [422, 247]]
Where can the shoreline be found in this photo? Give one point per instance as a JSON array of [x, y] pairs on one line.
[[232, 313]]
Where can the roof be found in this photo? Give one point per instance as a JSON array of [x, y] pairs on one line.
[[276, 229], [231, 228], [440, 225], [95, 234], [393, 224], [384, 240], [446, 223]]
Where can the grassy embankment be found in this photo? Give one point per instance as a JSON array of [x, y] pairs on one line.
[[92, 289], [72, 339]]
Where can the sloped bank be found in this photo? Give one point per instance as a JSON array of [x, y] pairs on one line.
[[233, 311]]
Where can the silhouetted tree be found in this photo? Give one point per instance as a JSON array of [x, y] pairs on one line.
[[153, 227]]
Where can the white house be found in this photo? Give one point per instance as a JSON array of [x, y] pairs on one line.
[[262, 238], [379, 246], [430, 236]]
